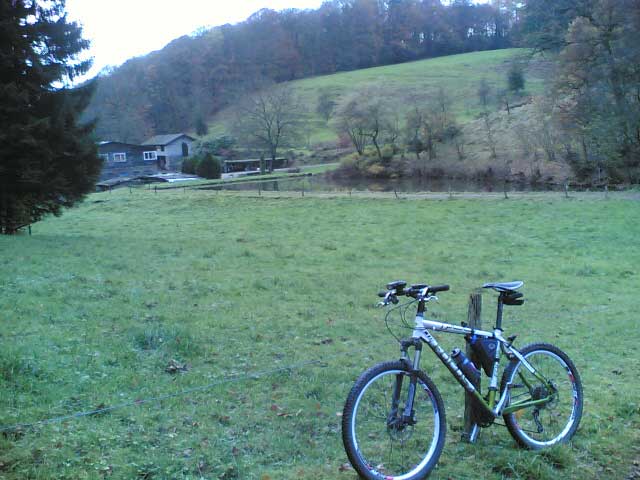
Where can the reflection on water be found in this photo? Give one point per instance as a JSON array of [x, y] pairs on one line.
[[325, 183]]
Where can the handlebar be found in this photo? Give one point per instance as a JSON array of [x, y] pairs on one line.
[[439, 288], [417, 291]]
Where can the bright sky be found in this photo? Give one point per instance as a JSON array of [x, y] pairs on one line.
[[121, 29]]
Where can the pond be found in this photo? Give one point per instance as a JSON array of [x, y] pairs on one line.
[[328, 183]]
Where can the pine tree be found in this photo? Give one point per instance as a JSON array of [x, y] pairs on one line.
[[48, 160]]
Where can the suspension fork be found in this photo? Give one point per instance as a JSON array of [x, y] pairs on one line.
[[408, 413]]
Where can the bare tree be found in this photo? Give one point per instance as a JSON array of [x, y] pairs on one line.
[[270, 119], [365, 117], [427, 123]]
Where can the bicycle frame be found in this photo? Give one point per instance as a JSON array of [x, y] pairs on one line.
[[421, 335]]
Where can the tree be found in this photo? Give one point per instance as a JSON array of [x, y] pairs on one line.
[[515, 78], [48, 160], [366, 116], [326, 103], [201, 126], [270, 119], [209, 167], [430, 121], [601, 80]]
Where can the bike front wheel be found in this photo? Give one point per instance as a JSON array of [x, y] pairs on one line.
[[381, 441], [556, 385]]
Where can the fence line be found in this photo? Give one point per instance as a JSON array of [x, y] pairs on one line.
[[303, 192]]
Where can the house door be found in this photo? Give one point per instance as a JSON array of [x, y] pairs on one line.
[[162, 163]]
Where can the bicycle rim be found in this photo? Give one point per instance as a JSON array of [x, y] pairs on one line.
[[550, 423], [387, 452]]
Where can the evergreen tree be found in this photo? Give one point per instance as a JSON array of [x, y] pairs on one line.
[[515, 78], [47, 159], [209, 167]]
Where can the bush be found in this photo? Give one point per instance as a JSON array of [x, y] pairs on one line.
[[189, 165], [209, 167], [388, 151]]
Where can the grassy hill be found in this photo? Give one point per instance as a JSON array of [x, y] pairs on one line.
[[459, 75], [208, 335]]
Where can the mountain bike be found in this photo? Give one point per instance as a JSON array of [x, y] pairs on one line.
[[393, 423]]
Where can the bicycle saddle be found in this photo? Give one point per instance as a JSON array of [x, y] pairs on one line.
[[504, 287]]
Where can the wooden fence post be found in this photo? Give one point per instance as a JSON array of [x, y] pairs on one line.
[[474, 319]]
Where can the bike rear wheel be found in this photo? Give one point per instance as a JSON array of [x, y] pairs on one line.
[[552, 422], [378, 442]]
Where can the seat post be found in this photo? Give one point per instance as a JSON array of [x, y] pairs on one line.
[[499, 312]]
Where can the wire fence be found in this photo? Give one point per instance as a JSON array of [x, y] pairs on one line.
[[307, 189]]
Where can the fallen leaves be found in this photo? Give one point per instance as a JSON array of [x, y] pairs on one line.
[[175, 366], [281, 413]]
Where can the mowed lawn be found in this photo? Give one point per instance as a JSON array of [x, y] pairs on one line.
[[218, 335]]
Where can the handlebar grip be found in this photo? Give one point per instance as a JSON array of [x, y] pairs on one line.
[[438, 288]]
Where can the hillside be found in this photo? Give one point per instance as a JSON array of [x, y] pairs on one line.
[[194, 76], [408, 84], [459, 75]]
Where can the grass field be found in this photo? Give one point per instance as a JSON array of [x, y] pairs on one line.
[[459, 75], [248, 319]]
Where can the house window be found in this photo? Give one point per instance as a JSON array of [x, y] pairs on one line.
[[185, 149], [119, 157], [104, 157], [151, 155]]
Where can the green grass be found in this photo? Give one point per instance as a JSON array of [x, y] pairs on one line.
[[96, 304], [459, 75]]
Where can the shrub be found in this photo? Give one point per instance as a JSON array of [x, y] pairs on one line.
[[189, 165], [209, 167], [388, 151], [350, 164], [377, 170]]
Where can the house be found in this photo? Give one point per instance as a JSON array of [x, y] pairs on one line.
[[125, 160], [170, 149], [162, 153]]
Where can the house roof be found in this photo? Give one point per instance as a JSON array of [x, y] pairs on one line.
[[115, 142], [165, 139]]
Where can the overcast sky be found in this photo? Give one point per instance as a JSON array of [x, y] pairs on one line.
[[121, 29]]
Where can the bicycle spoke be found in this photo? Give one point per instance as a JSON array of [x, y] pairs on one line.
[[405, 445], [553, 416]]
